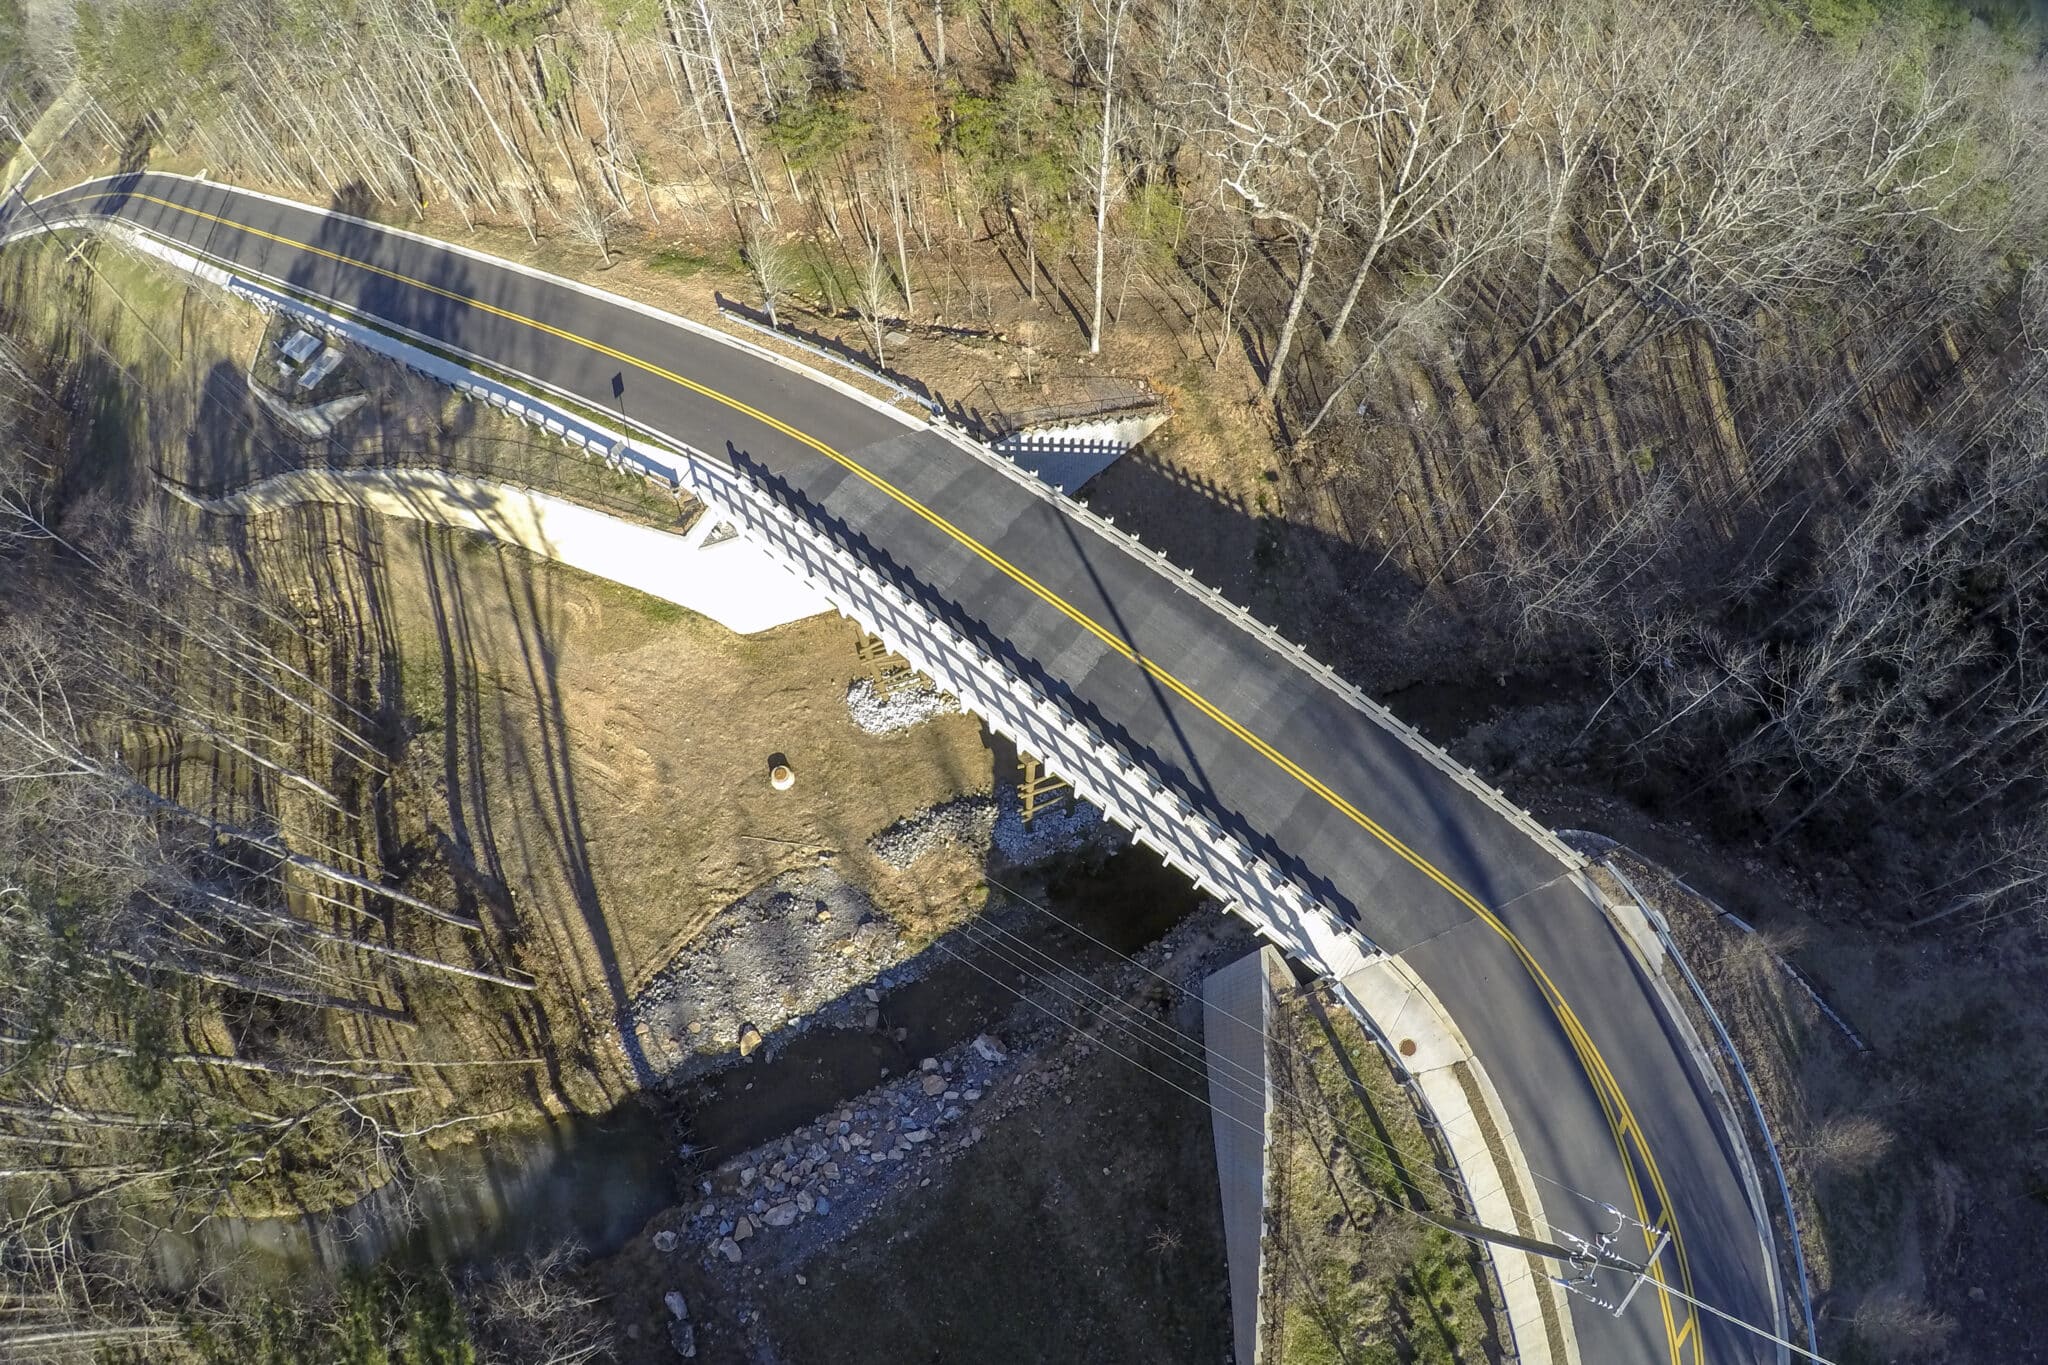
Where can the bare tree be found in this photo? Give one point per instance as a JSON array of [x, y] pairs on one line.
[[1109, 16], [775, 272]]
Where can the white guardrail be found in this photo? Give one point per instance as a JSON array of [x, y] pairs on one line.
[[1797, 1245], [1294, 653], [1271, 638]]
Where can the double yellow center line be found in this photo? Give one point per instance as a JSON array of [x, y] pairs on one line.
[[1621, 1121]]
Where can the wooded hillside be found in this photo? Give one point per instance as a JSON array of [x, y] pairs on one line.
[[1694, 341]]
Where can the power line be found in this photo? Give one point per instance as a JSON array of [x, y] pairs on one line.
[[1268, 1038], [1093, 995], [1469, 1232], [1585, 1254], [1184, 1049]]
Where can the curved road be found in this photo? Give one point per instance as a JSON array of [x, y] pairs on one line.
[[1601, 1092]]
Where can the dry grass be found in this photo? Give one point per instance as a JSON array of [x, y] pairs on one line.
[[600, 754], [1352, 1272]]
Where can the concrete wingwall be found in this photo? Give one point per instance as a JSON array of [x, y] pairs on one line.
[[1237, 1026]]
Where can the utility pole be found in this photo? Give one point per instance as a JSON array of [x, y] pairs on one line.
[[1587, 1257]]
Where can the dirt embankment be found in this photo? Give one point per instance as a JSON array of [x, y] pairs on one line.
[[1910, 1126]]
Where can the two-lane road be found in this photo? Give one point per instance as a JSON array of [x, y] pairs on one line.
[[1604, 1100]]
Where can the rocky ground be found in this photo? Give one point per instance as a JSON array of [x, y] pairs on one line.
[[796, 952], [896, 702], [800, 943], [879, 1169]]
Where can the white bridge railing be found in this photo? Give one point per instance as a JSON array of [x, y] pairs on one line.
[[1024, 709], [1009, 702]]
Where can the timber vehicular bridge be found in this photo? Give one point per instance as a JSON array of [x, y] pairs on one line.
[[1336, 829]]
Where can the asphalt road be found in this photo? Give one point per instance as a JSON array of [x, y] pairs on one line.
[[1601, 1094]]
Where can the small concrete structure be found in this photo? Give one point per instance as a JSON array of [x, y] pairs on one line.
[[328, 363], [1237, 1017], [1069, 455], [299, 347]]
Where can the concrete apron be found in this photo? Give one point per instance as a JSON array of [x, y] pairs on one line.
[[728, 580]]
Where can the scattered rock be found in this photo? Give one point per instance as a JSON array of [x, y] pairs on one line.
[[768, 961], [990, 1050], [781, 1216], [743, 1229], [917, 1135], [678, 1306], [928, 1065], [804, 1203], [965, 820], [1050, 832], [664, 1241], [934, 1085], [683, 1336], [750, 1039], [729, 1249]]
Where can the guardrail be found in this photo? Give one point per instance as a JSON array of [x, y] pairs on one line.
[[867, 372], [1295, 653], [1013, 704], [1662, 929], [1267, 635]]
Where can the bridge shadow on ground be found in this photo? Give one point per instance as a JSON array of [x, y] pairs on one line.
[[1181, 773]]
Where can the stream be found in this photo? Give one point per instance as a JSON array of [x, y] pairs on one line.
[[598, 1179]]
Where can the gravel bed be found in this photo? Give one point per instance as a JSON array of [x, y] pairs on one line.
[[791, 953], [761, 1215], [1051, 832], [906, 701], [963, 820]]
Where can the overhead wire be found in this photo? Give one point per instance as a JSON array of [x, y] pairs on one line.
[[1137, 1034], [1183, 989], [1183, 1044], [1236, 1078]]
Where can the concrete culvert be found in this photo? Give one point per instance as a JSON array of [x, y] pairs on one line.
[[780, 775]]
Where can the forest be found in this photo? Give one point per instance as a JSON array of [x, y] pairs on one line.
[[1695, 354]]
